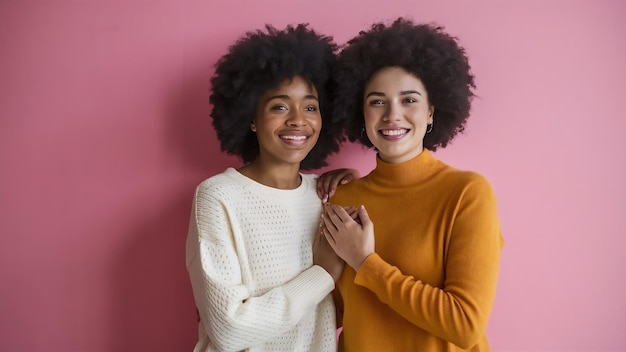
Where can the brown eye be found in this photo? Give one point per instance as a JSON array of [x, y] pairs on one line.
[[279, 107]]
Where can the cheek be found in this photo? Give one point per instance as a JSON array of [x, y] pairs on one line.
[[316, 122], [418, 115], [369, 119]]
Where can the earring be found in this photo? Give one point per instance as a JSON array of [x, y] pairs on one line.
[[362, 131], [253, 128], [432, 120], [430, 127]]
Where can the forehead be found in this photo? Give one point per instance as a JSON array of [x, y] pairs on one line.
[[293, 84], [394, 79]]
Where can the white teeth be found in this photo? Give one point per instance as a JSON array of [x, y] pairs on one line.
[[394, 132], [295, 138]]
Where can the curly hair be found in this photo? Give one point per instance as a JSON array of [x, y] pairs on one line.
[[424, 50], [260, 61]]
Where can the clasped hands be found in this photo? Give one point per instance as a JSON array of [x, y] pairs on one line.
[[345, 233], [349, 232]]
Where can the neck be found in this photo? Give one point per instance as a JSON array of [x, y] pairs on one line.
[[285, 176], [402, 158], [408, 173]]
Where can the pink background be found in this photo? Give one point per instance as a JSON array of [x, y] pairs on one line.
[[104, 133]]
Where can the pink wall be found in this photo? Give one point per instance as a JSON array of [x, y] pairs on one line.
[[104, 133]]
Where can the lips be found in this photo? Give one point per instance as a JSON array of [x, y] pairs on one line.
[[395, 132], [295, 139]]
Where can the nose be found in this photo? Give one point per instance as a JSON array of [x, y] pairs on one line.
[[392, 113], [296, 118]]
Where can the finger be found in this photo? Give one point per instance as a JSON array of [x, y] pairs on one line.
[[329, 238], [329, 225], [340, 213], [350, 175], [324, 241], [320, 188], [346, 179], [364, 216], [331, 220], [324, 183], [328, 183], [352, 211], [341, 176], [332, 184]]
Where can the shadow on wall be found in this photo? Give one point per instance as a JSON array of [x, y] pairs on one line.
[[153, 301]]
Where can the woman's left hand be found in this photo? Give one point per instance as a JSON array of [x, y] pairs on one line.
[[352, 239]]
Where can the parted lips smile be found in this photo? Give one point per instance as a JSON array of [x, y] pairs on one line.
[[394, 132]]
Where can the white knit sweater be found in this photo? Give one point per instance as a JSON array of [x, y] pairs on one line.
[[249, 257]]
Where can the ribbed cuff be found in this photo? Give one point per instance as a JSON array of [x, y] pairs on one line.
[[371, 271], [310, 287]]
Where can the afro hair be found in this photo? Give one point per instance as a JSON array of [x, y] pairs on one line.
[[423, 50], [260, 61]]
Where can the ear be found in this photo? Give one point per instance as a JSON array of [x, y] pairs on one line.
[[431, 112]]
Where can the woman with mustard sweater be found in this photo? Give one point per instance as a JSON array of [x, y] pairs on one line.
[[423, 254]]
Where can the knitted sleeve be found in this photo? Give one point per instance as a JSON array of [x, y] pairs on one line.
[[232, 318], [459, 311]]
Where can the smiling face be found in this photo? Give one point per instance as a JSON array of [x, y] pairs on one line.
[[287, 122], [396, 112]]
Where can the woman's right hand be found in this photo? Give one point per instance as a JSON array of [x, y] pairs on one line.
[[328, 182]]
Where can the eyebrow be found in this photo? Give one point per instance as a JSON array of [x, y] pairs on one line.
[[286, 97], [404, 92]]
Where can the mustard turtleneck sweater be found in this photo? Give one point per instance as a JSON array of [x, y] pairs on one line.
[[431, 283]]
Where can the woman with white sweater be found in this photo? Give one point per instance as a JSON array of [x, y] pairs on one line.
[[261, 277]]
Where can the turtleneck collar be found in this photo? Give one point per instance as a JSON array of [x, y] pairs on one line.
[[408, 173]]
